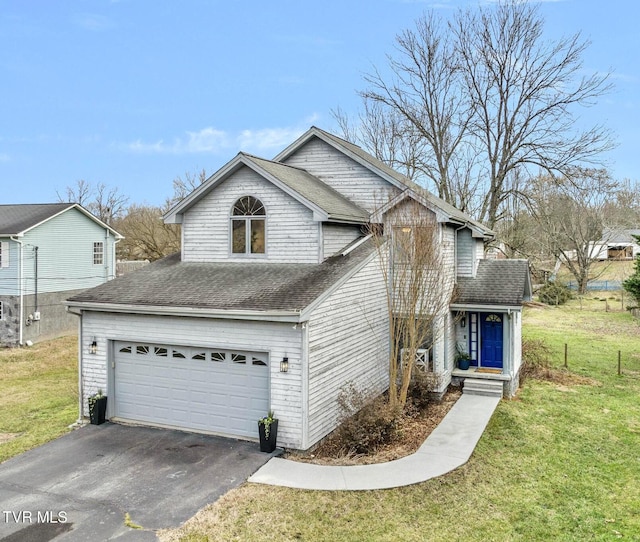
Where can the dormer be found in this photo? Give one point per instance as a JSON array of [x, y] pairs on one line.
[[256, 210]]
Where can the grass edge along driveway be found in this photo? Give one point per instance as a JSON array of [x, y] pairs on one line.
[[38, 394]]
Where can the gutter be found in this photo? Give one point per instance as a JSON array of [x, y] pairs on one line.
[[485, 308], [292, 316]]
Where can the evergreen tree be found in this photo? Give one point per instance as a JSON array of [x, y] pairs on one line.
[[632, 284]]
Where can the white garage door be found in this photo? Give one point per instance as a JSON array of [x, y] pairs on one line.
[[220, 391]]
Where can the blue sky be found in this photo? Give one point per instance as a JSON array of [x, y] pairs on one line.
[[132, 93]]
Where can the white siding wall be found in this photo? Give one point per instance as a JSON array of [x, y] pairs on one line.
[[479, 253], [465, 253], [516, 340], [342, 173], [279, 339], [337, 236], [292, 235], [348, 342]]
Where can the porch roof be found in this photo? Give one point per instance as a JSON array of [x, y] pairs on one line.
[[497, 283]]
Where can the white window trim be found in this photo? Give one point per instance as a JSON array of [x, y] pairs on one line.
[[4, 254], [98, 244], [247, 230]]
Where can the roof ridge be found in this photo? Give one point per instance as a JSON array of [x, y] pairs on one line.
[[248, 154]]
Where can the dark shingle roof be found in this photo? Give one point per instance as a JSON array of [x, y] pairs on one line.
[[250, 286], [313, 189], [15, 219], [497, 282]]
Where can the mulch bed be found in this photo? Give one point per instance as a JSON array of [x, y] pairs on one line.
[[412, 433]]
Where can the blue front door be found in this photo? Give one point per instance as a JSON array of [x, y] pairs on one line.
[[491, 339]]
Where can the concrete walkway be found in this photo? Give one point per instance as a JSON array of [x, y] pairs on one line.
[[449, 446]]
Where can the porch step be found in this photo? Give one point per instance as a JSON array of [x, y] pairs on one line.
[[489, 388]]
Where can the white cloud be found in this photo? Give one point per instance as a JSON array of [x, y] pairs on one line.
[[267, 138], [210, 140], [207, 140], [92, 21]]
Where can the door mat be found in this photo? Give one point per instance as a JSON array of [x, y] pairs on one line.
[[491, 371]]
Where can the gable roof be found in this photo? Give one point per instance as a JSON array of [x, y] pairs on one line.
[[225, 289], [497, 282], [326, 202], [394, 177], [335, 205], [612, 236], [18, 219]]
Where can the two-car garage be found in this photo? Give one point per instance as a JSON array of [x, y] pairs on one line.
[[203, 389]]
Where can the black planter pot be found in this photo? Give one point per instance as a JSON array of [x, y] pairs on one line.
[[268, 444], [97, 409]]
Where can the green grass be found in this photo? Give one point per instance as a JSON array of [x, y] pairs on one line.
[[38, 394], [560, 462], [605, 270]]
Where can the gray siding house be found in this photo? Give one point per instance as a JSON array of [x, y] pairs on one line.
[[278, 301], [47, 253]]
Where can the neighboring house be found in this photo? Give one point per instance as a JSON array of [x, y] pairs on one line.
[[47, 253], [617, 245], [277, 300]]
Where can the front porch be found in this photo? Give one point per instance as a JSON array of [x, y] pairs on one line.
[[482, 381]]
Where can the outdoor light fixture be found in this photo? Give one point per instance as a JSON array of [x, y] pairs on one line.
[[463, 321], [284, 365], [93, 347]]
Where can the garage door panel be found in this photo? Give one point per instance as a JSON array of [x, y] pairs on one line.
[[192, 388]]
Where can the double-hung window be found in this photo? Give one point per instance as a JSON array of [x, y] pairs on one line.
[[98, 253], [248, 226]]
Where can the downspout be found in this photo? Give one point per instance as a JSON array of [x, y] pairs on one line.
[[114, 272], [35, 287], [21, 287], [104, 255], [80, 419]]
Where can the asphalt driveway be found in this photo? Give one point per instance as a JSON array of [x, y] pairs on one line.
[[81, 486]]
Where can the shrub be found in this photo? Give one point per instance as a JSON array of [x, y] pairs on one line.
[[365, 424], [536, 359], [421, 389], [554, 293]]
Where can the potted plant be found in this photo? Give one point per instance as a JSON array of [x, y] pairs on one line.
[[268, 432], [463, 359], [97, 408]]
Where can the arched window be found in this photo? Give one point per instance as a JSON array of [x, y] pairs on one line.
[[248, 226]]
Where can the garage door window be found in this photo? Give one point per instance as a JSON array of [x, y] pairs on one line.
[[218, 356]]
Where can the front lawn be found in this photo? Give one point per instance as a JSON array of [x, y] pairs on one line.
[[38, 394], [560, 462]]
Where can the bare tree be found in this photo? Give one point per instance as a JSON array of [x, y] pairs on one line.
[[418, 289], [108, 204], [183, 186], [146, 236], [491, 99], [523, 90], [574, 218]]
